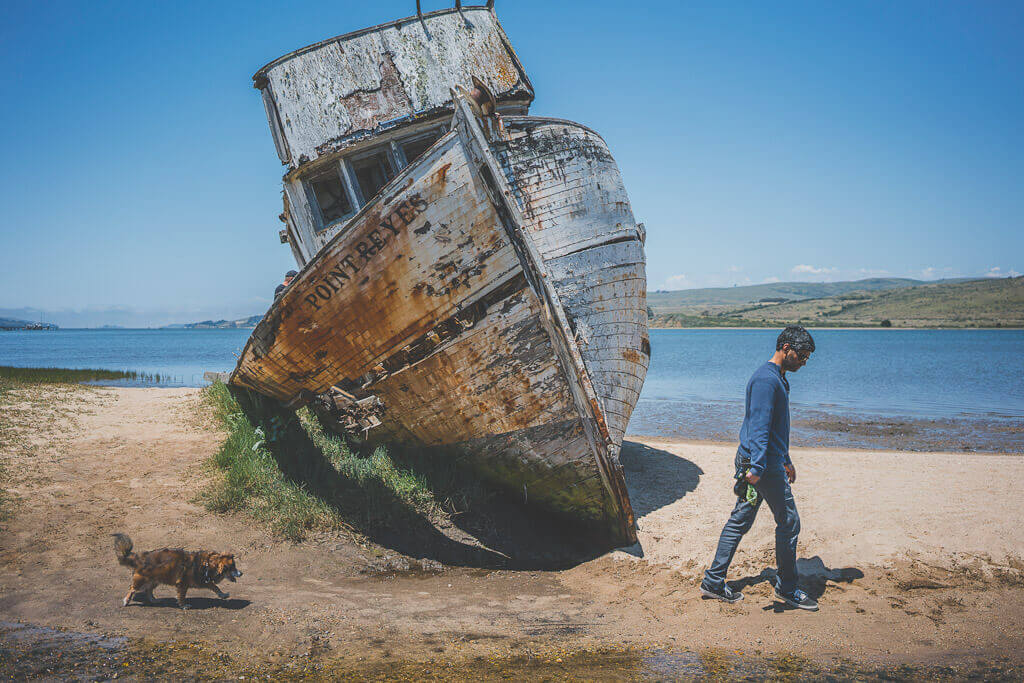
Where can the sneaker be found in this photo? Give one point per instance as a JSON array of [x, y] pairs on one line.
[[726, 594], [798, 599]]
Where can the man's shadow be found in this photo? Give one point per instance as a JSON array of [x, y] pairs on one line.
[[814, 576]]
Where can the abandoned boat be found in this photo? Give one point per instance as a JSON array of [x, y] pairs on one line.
[[472, 278]]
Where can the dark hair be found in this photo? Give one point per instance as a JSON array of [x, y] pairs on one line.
[[291, 273], [797, 337]]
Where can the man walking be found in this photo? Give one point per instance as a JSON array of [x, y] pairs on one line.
[[764, 472]]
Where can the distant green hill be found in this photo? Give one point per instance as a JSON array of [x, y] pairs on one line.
[[903, 302], [997, 302], [696, 300]]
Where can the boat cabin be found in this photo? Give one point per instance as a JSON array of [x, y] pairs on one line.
[[349, 113]]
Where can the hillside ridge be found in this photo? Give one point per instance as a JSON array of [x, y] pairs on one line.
[[988, 302]]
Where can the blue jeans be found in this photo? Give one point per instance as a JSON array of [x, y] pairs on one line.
[[774, 489]]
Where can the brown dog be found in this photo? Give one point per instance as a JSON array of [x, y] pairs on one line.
[[182, 569]]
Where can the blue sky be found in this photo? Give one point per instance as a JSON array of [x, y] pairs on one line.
[[758, 141]]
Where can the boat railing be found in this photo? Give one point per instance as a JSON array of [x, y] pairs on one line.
[[458, 5]]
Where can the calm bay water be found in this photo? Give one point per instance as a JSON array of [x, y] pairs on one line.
[[942, 379], [926, 373], [182, 355], [919, 389]]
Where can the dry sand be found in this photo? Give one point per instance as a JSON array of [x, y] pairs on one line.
[[915, 556]]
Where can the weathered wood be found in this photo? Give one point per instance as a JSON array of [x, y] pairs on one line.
[[489, 301], [555, 321], [576, 208], [331, 94]]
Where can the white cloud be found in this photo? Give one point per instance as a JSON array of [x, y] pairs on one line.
[[677, 282], [805, 269], [729, 278], [996, 271], [935, 273], [771, 280], [861, 273]]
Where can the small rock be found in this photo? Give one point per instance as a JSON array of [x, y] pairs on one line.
[[429, 565]]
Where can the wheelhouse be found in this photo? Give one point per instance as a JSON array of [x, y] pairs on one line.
[[349, 113]]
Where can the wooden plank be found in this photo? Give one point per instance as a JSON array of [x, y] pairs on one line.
[[567, 184], [555, 320], [427, 246], [499, 377], [339, 91], [613, 339]]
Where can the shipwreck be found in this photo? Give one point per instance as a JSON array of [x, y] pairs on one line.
[[472, 277]]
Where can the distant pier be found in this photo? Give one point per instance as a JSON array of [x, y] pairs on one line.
[[11, 325]]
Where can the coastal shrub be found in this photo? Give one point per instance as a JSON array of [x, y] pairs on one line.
[[286, 470], [68, 376]]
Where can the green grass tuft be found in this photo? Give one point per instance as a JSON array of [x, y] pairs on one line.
[[285, 470]]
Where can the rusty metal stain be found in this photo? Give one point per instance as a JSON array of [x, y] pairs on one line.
[[364, 299], [441, 173]]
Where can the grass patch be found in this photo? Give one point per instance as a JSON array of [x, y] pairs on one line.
[[287, 471], [67, 376]]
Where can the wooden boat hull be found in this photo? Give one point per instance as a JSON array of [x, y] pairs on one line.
[[489, 302]]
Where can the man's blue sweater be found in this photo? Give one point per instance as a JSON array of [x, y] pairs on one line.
[[764, 436]]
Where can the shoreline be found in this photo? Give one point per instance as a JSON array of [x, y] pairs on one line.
[[814, 450], [824, 430], [865, 327], [894, 549], [709, 327]]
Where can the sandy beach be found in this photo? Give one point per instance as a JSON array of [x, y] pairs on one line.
[[915, 558]]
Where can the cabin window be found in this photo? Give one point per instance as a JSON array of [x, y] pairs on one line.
[[372, 173], [331, 198], [412, 149]]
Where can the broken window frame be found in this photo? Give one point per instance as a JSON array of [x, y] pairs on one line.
[[322, 223], [394, 167], [393, 152]]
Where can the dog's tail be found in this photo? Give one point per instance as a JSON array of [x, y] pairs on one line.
[[123, 549]]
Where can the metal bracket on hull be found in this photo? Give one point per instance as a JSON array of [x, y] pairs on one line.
[[471, 130]]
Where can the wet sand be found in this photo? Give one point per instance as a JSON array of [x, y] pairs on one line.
[[816, 428], [915, 558]]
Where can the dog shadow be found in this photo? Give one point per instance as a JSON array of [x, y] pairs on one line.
[[814, 578], [197, 603]]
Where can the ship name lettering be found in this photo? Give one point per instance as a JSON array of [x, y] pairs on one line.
[[337, 277]]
